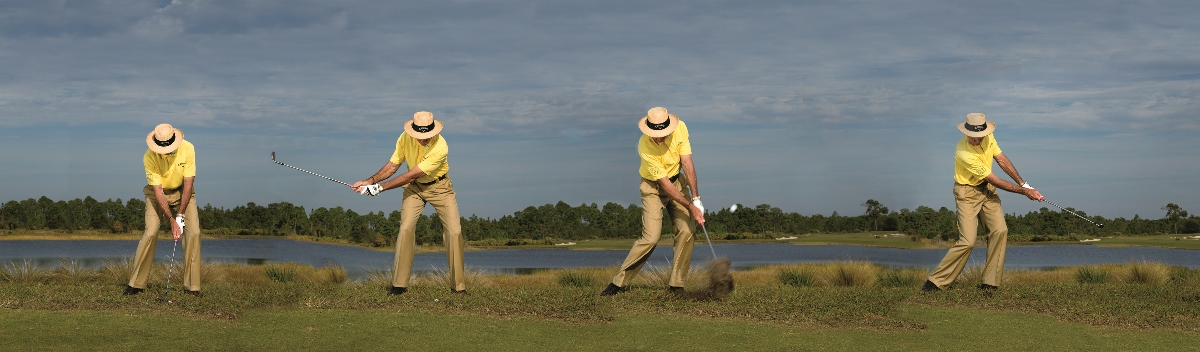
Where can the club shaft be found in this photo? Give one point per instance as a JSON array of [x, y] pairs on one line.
[[1073, 213], [170, 269], [710, 247], [315, 174]]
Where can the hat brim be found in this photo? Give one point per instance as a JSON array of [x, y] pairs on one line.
[[437, 128], [167, 149], [991, 127], [659, 133]]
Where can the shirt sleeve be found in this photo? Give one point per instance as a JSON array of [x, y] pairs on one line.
[[189, 165], [398, 155], [685, 141], [993, 147], [149, 162], [434, 159]]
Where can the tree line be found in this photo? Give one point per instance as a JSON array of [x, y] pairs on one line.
[[561, 221]]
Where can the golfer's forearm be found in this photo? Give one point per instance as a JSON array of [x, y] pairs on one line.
[[1009, 169], [689, 169], [1002, 184], [384, 172], [186, 196], [403, 179], [674, 194], [161, 199]]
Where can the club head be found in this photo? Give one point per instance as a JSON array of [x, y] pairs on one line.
[[1101, 225], [272, 156]]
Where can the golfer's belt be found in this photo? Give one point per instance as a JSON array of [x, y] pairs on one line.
[[432, 182]]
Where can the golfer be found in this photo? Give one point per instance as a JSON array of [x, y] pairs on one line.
[[667, 175], [976, 200], [424, 149], [170, 176]]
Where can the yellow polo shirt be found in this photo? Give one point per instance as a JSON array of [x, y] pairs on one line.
[[169, 170], [973, 163], [430, 158], [662, 160]]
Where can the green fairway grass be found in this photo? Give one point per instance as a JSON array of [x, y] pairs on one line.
[[812, 306], [409, 329]]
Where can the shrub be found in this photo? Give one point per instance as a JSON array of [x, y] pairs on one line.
[[1091, 275], [1147, 273], [574, 278], [280, 273], [796, 278], [852, 274], [26, 272], [898, 278]]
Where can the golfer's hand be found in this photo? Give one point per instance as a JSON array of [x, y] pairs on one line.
[[1033, 194], [698, 204], [370, 190], [697, 213], [177, 227]]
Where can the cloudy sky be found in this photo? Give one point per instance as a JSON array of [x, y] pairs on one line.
[[810, 106]]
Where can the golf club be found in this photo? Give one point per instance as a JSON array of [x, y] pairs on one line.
[[318, 175], [1073, 213], [710, 247], [178, 220]]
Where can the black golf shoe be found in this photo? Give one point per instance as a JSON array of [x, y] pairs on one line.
[[130, 290], [930, 287], [194, 293], [396, 291], [675, 289], [987, 289], [460, 292], [612, 289]]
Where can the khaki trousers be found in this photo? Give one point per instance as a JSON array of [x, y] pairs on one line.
[[975, 204], [441, 195], [143, 259], [653, 200]]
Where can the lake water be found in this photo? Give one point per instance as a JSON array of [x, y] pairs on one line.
[[359, 261]]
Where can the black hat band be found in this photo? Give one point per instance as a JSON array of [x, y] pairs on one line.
[[166, 143], [658, 126], [423, 129], [975, 128]]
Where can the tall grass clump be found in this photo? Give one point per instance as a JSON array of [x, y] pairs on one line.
[[1091, 275], [334, 275], [73, 271], [282, 273], [576, 278], [27, 271], [438, 277], [852, 274], [116, 271], [796, 277], [1147, 273], [899, 278]]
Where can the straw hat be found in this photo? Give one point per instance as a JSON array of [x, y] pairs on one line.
[[164, 139], [423, 125], [977, 125], [658, 123]]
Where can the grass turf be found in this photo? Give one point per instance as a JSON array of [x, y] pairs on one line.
[[415, 329]]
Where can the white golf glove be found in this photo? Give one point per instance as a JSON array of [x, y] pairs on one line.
[[179, 221], [371, 190], [1026, 185], [698, 204]]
